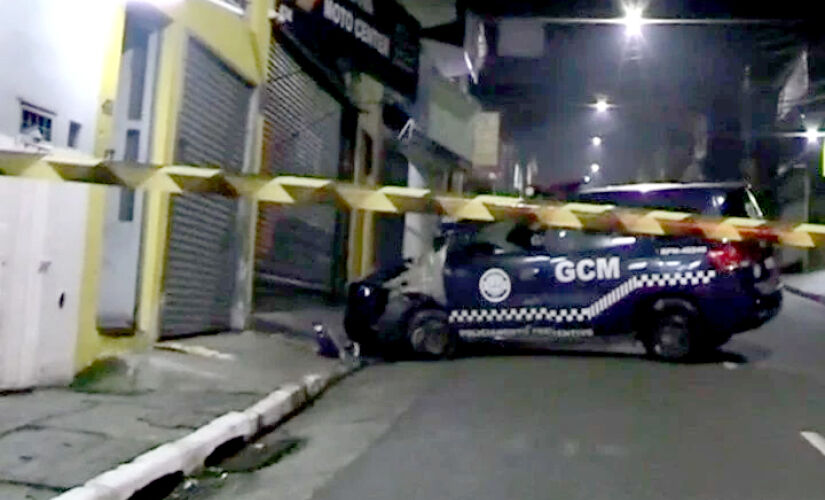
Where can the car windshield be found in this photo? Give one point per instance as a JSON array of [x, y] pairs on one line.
[[505, 236]]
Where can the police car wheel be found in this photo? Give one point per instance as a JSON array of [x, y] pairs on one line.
[[430, 334], [671, 335]]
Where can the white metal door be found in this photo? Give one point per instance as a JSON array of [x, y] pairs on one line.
[[42, 256]]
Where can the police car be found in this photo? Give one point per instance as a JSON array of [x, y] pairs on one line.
[[513, 280]]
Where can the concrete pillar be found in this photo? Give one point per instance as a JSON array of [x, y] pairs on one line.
[[419, 229], [246, 223]]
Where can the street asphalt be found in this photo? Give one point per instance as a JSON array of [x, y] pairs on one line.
[[601, 423]]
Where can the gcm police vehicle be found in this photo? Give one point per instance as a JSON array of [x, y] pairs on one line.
[[510, 280]]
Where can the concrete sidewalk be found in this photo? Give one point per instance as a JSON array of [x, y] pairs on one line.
[[809, 285], [53, 440]]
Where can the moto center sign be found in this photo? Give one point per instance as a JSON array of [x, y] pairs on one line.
[[378, 38]]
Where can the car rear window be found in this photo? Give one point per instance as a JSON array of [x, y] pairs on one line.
[[741, 203]]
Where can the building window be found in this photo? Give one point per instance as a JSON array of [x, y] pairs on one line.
[[74, 134], [136, 51], [366, 153], [34, 120], [126, 206]]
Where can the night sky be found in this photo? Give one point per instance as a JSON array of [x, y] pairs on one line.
[[657, 85]]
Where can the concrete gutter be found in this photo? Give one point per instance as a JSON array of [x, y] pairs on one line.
[[189, 454]]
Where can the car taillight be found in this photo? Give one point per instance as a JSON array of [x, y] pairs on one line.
[[729, 257]]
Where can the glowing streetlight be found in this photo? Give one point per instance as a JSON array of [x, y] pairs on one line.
[[586, 179], [594, 168], [633, 20], [813, 135], [597, 141], [601, 105]]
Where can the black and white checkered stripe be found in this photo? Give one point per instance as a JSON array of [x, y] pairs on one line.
[[676, 279], [522, 314], [571, 315]]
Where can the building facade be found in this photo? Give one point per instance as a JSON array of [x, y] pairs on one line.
[[326, 89], [333, 65], [49, 104], [106, 270]]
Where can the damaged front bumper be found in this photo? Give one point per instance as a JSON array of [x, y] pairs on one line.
[[378, 304]]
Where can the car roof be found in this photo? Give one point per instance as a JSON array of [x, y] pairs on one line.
[[661, 186]]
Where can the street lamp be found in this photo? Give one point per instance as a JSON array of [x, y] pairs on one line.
[[813, 135], [633, 20], [586, 179], [601, 105], [594, 168], [597, 141]]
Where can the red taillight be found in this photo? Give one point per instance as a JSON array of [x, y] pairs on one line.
[[728, 257]]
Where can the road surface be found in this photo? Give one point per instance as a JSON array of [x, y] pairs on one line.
[[745, 423]]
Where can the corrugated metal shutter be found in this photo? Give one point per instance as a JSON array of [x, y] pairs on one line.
[[302, 132], [200, 266]]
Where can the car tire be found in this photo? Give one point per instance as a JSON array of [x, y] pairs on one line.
[[391, 333], [430, 335], [671, 333]]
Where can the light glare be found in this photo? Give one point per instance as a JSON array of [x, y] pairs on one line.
[[812, 135], [601, 105], [594, 168], [597, 141], [633, 20]]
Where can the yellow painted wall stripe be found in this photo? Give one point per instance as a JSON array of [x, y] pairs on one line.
[[108, 86], [226, 33], [90, 344]]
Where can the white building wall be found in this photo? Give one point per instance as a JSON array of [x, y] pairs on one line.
[[52, 53]]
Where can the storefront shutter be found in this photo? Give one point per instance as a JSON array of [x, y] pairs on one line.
[[302, 130], [201, 260]]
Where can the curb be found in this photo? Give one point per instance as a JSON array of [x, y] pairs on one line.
[[189, 453], [820, 299]]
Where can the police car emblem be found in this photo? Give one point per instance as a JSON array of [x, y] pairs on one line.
[[494, 285]]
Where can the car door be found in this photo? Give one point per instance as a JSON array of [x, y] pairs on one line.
[[591, 276], [494, 284]]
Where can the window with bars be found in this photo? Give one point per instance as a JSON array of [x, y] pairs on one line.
[[35, 119]]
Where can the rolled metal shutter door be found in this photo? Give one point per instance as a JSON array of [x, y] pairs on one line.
[[200, 266], [302, 134]]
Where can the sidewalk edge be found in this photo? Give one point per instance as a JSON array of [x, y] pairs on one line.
[[188, 454]]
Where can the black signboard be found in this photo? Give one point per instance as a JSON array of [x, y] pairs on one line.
[[377, 37]]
